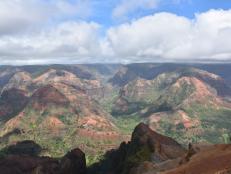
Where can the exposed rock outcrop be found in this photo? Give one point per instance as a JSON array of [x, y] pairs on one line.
[[72, 163], [26, 147], [145, 146]]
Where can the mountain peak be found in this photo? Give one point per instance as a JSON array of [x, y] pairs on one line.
[[49, 95], [145, 145], [143, 134]]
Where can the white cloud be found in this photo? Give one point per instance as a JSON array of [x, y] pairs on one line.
[[20, 15], [16, 15], [67, 41], [125, 7], [158, 37], [80, 8], [166, 36]]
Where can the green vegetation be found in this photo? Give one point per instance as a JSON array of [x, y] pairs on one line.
[[175, 95], [164, 94], [107, 101], [143, 154], [56, 144], [226, 138], [214, 125], [133, 107], [127, 123]]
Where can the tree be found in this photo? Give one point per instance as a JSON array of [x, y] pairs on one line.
[[33, 129], [226, 138]]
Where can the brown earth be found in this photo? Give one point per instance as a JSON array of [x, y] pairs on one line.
[[212, 160]]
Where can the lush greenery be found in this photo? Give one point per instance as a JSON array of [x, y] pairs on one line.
[[127, 123], [214, 125]]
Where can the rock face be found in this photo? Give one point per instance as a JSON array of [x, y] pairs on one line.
[[145, 145], [163, 147], [72, 163]]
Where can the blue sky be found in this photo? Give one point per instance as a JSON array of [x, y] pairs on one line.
[[103, 9], [190, 7], [114, 31]]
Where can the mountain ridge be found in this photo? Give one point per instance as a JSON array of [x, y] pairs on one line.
[[185, 103]]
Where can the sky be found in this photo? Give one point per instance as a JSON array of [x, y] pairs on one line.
[[114, 31]]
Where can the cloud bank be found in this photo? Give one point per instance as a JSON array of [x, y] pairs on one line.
[[166, 36], [20, 15], [158, 37]]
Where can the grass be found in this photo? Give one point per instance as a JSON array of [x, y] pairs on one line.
[[127, 123], [214, 124], [107, 102]]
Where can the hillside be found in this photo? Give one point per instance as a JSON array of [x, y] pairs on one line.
[[173, 102], [62, 106], [151, 153], [11, 103], [54, 108], [145, 145]]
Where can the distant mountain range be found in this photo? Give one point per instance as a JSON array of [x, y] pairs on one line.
[[151, 70], [97, 106], [188, 104]]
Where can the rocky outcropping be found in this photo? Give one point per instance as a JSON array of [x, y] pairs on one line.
[[147, 153], [26, 147], [145, 146], [152, 153], [73, 162]]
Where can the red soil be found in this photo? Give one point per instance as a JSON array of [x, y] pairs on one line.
[[212, 160]]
